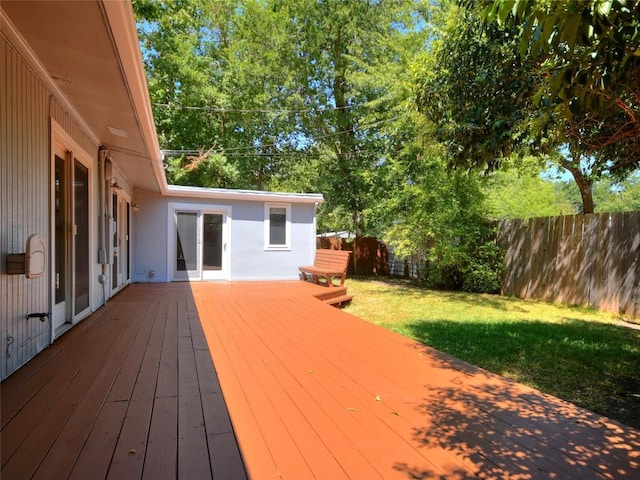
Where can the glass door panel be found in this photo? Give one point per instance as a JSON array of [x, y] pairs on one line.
[[114, 241], [81, 234], [128, 242], [60, 243], [213, 246], [187, 259], [212, 242]]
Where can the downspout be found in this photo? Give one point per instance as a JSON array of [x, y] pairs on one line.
[[102, 239]]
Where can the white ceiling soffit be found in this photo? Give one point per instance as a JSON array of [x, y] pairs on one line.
[[90, 50]]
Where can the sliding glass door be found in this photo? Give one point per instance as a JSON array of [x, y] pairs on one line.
[[71, 240], [121, 241], [200, 245]]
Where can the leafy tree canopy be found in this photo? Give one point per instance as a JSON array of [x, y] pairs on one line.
[[589, 51], [311, 95], [532, 76]]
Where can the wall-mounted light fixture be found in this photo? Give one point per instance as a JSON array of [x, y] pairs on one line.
[[113, 183]]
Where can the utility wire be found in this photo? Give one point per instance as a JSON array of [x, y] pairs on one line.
[[238, 151], [249, 110]]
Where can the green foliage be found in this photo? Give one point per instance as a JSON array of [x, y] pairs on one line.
[[207, 169], [475, 88], [609, 195], [438, 216], [589, 51], [530, 76], [300, 95], [512, 193], [483, 272], [622, 196], [592, 48]]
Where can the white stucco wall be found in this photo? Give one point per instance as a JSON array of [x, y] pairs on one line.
[[248, 258]]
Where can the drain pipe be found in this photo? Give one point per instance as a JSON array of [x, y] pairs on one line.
[[102, 250]]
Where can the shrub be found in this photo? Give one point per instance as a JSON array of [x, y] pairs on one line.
[[483, 273]]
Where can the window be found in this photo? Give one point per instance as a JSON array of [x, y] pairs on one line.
[[277, 230]]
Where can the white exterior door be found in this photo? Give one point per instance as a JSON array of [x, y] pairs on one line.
[[213, 246], [187, 246], [121, 241], [71, 239], [200, 248]]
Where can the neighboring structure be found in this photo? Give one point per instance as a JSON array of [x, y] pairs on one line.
[[80, 167], [344, 234], [244, 235]]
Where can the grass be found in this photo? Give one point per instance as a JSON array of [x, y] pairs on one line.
[[578, 354]]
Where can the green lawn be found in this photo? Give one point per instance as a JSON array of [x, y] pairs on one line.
[[580, 355]]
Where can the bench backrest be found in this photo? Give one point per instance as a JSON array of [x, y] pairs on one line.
[[337, 260]]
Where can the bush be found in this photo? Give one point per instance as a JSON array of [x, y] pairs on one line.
[[483, 273], [470, 265], [438, 275]]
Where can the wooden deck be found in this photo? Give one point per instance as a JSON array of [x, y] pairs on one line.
[[311, 391]]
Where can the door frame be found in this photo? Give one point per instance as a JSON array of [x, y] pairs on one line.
[[61, 140], [122, 227], [201, 210]]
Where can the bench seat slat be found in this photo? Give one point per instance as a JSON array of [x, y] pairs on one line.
[[327, 264]]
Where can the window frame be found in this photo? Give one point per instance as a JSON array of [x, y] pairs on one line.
[[268, 246]]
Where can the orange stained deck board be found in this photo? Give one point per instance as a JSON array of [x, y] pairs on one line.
[[383, 405], [141, 390]]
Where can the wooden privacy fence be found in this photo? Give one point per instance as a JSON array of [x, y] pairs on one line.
[[576, 259], [370, 256]]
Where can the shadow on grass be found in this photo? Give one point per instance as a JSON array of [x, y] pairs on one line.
[[593, 365]]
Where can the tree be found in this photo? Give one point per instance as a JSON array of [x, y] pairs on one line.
[[348, 61], [439, 217], [493, 90], [623, 196], [288, 81], [474, 87], [609, 195], [215, 86], [589, 52]]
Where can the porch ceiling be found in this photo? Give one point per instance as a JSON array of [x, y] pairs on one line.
[[90, 50]]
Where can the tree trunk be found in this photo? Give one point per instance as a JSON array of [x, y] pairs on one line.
[[260, 177], [346, 147], [586, 192], [583, 181]]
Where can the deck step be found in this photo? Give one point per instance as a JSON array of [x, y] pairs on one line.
[[338, 301], [330, 292]]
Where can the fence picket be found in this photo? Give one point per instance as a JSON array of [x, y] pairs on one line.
[[584, 260]]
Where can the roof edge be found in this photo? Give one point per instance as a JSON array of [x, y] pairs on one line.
[[246, 195], [125, 36]]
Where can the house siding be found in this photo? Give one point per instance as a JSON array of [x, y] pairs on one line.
[[26, 107], [248, 259]]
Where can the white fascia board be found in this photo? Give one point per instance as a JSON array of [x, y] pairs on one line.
[[243, 195], [123, 30]]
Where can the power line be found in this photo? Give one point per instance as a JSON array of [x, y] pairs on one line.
[[237, 151], [271, 155], [266, 111]]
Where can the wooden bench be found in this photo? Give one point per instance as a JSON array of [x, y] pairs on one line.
[[327, 264]]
